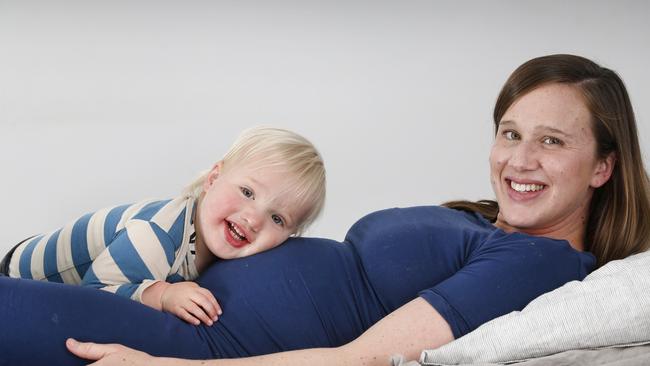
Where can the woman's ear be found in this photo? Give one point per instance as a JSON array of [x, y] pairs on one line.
[[603, 171], [213, 174]]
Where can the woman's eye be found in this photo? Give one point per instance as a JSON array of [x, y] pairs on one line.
[[511, 135], [549, 140], [246, 192], [277, 219]]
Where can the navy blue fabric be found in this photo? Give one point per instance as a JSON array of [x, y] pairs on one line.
[[37, 316], [308, 292], [467, 269]]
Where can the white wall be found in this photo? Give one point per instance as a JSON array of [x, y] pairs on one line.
[[107, 102]]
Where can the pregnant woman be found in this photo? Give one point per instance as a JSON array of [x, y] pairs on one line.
[[572, 194]]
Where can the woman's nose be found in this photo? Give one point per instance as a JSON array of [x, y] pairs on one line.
[[524, 157]]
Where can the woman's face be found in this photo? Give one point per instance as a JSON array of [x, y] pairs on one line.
[[543, 163]]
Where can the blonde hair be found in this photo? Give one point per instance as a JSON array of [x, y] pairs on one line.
[[283, 149], [618, 223]]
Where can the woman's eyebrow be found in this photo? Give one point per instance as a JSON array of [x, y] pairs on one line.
[[540, 128], [553, 130], [506, 122]]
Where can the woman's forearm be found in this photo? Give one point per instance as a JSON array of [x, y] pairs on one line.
[[407, 331], [312, 357], [115, 354]]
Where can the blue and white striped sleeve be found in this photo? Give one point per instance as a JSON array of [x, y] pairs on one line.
[[139, 256]]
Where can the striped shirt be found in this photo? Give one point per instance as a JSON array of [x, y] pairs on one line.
[[122, 249]]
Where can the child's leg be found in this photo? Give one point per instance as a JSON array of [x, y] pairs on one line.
[[37, 317], [4, 264]]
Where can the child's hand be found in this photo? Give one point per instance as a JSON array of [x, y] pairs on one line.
[[190, 302]]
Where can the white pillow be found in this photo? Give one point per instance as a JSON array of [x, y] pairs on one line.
[[609, 308]]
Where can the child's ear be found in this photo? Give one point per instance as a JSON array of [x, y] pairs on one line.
[[212, 175], [603, 171]]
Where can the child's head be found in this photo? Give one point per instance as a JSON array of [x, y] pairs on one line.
[[268, 186]]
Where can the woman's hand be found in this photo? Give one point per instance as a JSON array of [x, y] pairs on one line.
[[109, 354], [408, 330], [190, 302]]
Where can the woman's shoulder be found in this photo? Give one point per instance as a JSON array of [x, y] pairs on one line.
[[424, 211], [424, 216], [545, 251], [420, 225]]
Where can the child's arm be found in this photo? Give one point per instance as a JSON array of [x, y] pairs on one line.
[[135, 259], [186, 300], [140, 257]]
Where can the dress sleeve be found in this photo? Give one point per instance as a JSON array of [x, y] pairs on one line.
[[502, 276], [139, 256]]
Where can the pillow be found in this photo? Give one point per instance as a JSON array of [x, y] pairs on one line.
[[609, 308], [617, 356]]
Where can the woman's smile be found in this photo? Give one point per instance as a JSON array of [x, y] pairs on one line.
[[544, 164], [523, 190]]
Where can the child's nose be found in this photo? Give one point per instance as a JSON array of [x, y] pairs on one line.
[[252, 219]]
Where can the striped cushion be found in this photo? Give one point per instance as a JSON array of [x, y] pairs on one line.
[[610, 308]]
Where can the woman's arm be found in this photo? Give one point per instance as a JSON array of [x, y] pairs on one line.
[[407, 331]]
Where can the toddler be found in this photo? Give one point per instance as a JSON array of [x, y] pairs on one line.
[[269, 185]]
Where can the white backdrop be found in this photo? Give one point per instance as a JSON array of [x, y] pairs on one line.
[[109, 102]]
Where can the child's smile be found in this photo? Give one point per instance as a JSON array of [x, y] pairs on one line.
[[245, 210], [235, 235]]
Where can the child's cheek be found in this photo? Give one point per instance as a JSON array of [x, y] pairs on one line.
[[231, 203]]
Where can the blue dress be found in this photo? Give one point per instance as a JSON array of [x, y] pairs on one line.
[[308, 292]]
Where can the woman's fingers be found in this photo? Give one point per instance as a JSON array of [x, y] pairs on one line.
[[91, 351], [107, 354]]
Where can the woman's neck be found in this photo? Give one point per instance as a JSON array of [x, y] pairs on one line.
[[573, 231]]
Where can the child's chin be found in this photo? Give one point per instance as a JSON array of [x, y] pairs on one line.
[[230, 254]]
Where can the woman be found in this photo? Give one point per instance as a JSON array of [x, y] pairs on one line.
[[568, 177]]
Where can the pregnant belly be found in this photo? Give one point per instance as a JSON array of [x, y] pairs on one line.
[[305, 293]]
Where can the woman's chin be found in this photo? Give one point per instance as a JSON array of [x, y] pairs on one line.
[[515, 221]]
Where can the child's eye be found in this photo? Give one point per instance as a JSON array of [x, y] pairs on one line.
[[277, 219], [549, 140], [246, 192], [511, 135]]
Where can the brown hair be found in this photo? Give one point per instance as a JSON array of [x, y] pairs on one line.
[[619, 215]]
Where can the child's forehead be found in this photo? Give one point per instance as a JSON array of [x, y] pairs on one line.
[[258, 165], [278, 182], [266, 175]]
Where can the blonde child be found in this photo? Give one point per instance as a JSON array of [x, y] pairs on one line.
[[270, 185]]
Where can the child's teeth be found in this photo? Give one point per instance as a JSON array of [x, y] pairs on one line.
[[235, 231]]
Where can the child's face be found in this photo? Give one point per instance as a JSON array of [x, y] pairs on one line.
[[246, 210]]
